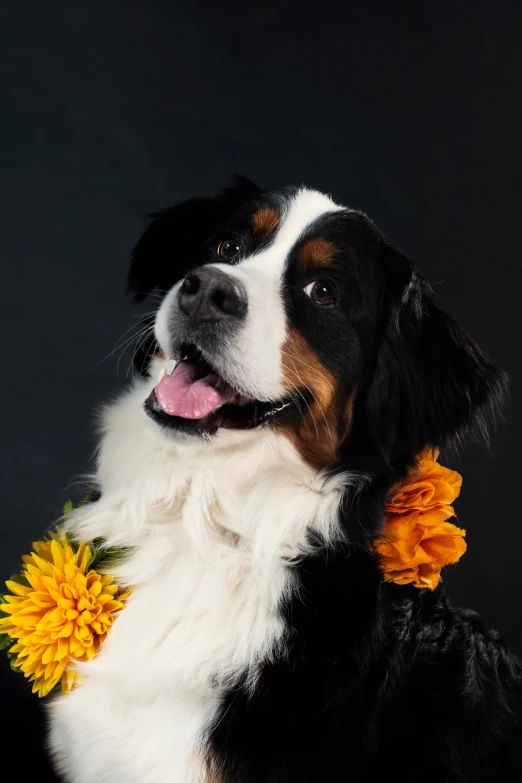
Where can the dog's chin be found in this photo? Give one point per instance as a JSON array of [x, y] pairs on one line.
[[238, 411]]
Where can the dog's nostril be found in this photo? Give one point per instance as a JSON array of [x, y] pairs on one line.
[[224, 300], [190, 285]]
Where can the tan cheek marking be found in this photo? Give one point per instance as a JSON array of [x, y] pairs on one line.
[[265, 221], [321, 431], [213, 777], [317, 252], [212, 773]]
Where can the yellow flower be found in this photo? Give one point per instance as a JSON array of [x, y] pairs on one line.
[[57, 612], [418, 541]]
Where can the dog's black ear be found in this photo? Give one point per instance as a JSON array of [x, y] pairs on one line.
[[169, 246], [431, 383]]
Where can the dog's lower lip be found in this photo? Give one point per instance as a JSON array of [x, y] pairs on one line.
[[232, 417]]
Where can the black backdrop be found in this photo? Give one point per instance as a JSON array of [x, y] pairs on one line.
[[113, 107]]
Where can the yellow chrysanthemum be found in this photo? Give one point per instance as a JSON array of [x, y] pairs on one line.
[[58, 613]]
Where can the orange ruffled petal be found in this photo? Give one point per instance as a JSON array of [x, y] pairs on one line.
[[417, 540]]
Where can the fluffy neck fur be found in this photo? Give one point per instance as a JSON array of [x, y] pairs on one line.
[[237, 516]]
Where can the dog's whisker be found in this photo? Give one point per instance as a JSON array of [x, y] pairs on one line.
[[321, 375], [139, 342], [121, 342], [315, 370], [303, 397], [320, 409], [296, 388], [137, 347], [317, 402], [127, 343]]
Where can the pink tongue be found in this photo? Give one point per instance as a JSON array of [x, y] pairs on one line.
[[179, 394]]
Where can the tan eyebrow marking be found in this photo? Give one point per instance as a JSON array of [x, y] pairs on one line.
[[317, 252], [265, 221]]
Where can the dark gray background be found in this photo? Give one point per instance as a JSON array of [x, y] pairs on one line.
[[110, 109]]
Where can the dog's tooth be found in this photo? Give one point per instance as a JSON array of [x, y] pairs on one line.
[[162, 373]]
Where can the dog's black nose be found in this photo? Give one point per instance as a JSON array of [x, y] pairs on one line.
[[209, 294]]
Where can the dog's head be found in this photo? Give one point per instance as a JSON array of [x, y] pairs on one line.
[[288, 311]]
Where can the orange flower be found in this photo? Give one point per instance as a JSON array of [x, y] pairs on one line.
[[418, 541]]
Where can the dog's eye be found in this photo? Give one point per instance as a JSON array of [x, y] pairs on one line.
[[228, 248], [320, 292]]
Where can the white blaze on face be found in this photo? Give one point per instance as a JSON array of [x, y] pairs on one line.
[[253, 355], [161, 327]]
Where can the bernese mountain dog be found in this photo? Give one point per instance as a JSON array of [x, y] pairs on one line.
[[295, 368]]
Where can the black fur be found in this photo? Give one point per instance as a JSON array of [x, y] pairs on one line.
[[431, 383], [171, 245], [378, 681]]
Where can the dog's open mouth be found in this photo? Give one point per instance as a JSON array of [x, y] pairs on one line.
[[194, 397]]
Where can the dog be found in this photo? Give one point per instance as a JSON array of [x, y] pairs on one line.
[[295, 368]]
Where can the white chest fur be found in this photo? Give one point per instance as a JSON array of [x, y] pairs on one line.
[[215, 533], [192, 627]]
